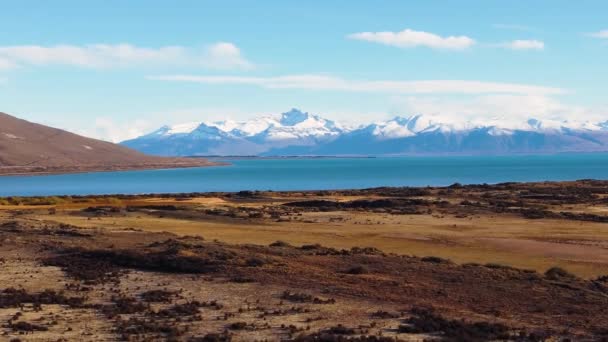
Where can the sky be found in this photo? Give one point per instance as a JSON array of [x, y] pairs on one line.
[[116, 69]]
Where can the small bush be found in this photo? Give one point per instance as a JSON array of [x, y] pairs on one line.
[[357, 269], [242, 279], [140, 327], [255, 262], [534, 214], [427, 321], [558, 273], [340, 330], [366, 251], [295, 297], [27, 327], [180, 310], [238, 326], [12, 297], [435, 260], [498, 266], [384, 314], [123, 306], [311, 247], [602, 279], [280, 243], [224, 337], [157, 296]]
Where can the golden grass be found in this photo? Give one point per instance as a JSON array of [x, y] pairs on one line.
[[514, 241]]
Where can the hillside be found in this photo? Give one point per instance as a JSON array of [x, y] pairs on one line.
[[27, 147]]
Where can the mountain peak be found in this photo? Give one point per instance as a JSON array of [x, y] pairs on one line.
[[534, 123], [293, 117]]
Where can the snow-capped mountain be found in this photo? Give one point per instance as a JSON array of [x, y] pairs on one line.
[[300, 133], [256, 136]]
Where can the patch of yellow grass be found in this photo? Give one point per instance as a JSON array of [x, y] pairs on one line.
[[462, 240]]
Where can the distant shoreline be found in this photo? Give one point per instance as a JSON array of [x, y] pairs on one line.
[[283, 157], [45, 171], [311, 193], [406, 155]]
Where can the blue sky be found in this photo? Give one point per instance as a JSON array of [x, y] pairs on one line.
[[116, 69]]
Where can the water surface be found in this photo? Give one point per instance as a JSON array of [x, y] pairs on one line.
[[317, 174]]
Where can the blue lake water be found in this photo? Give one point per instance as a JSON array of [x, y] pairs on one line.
[[317, 174]]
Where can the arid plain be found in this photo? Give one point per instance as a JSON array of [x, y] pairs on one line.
[[486, 262]]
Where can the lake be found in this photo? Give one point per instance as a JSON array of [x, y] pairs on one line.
[[317, 174]]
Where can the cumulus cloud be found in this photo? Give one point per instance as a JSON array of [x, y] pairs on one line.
[[409, 38], [522, 44], [600, 34], [323, 82], [218, 56]]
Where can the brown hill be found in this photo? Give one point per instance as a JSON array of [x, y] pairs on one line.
[[27, 147]]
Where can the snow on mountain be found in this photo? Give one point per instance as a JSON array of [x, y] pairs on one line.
[[548, 124], [400, 127], [183, 128], [290, 125], [296, 132], [246, 128], [298, 125]]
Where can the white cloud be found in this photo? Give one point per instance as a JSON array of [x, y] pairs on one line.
[[109, 129], [601, 34], [225, 56], [521, 44], [410, 38], [322, 82], [116, 130], [506, 111], [217, 56], [6, 64], [98, 55]]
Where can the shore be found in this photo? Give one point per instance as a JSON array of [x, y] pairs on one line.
[[479, 262], [54, 170]]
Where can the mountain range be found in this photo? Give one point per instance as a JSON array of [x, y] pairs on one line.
[[299, 133]]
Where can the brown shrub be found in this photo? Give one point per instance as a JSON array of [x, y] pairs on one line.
[[558, 273], [427, 321], [357, 269]]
